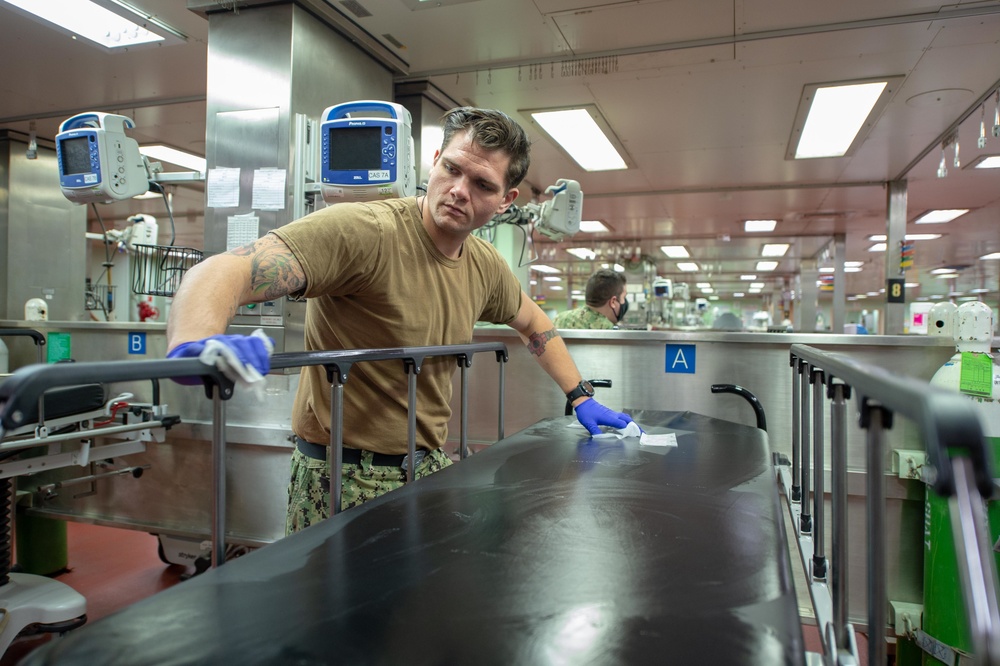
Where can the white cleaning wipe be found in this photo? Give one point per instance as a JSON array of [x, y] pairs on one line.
[[668, 439], [225, 359]]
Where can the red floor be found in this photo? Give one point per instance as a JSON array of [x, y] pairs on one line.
[[112, 568]]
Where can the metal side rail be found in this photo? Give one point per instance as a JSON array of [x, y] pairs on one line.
[[957, 454], [338, 365], [25, 388]]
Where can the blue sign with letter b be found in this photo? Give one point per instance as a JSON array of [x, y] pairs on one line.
[[136, 342]]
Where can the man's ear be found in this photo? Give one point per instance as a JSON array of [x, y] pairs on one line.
[[508, 199]]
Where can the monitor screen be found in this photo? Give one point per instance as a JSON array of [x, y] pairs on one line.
[[355, 148], [75, 155]]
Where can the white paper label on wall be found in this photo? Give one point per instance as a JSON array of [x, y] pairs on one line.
[[268, 189], [270, 320], [241, 230], [223, 187]]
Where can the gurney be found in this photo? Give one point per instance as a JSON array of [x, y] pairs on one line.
[[60, 429], [549, 546]]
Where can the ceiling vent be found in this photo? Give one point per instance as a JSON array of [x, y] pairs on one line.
[[355, 8]]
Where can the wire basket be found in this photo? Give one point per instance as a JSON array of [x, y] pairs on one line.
[[157, 269]]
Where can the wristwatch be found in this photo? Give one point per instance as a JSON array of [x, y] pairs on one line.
[[584, 388]]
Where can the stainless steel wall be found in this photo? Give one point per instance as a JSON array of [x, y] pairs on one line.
[[42, 243], [174, 495], [266, 65]]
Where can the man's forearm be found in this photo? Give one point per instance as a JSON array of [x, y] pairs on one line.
[[206, 301]]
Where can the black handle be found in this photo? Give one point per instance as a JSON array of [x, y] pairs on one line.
[[758, 408]]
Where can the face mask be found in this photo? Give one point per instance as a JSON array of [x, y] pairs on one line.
[[622, 310]]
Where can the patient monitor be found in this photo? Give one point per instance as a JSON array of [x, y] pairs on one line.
[[366, 152], [97, 162]]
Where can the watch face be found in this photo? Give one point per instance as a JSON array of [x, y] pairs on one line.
[[587, 387]]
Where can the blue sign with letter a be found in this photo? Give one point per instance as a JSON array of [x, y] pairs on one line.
[[680, 358], [136, 342]]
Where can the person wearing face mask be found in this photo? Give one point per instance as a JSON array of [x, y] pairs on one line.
[[606, 303]]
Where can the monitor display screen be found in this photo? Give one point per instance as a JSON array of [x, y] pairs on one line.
[[355, 148], [75, 155]]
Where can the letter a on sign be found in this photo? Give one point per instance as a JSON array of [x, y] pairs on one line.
[[680, 359]]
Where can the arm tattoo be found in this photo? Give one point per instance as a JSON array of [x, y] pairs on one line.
[[274, 270], [536, 341]]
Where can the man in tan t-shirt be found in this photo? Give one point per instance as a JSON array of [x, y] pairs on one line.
[[393, 273]]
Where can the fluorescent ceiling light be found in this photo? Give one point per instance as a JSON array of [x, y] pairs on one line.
[[583, 134], [584, 253], [675, 251], [939, 271], [912, 237], [852, 269], [774, 250], [826, 269], [703, 285], [708, 290], [555, 287], [754, 291], [940, 216], [174, 156], [687, 266], [593, 227], [854, 264], [984, 162], [713, 298], [947, 276], [979, 290], [552, 278], [532, 281], [990, 256], [833, 119], [759, 225], [619, 268], [766, 265], [91, 21], [756, 285], [542, 268], [912, 285], [738, 294], [748, 277], [877, 247]]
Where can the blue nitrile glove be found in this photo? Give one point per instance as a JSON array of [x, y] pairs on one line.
[[251, 350], [593, 414]]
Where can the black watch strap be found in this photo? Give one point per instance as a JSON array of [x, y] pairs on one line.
[[582, 389]]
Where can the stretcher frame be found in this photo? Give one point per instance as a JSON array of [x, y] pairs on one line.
[[948, 423], [27, 386]]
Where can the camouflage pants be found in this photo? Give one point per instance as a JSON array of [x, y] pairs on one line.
[[309, 487]]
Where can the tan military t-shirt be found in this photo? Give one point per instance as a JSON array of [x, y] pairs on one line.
[[375, 280]]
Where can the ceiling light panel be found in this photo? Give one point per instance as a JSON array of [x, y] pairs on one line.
[[584, 134], [756, 226], [834, 118], [940, 216], [675, 251]]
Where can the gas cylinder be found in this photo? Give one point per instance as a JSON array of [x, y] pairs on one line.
[[36, 309], [974, 372], [941, 320]]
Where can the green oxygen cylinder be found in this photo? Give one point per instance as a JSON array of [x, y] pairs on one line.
[[973, 372]]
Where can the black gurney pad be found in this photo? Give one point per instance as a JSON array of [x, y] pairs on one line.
[[548, 547]]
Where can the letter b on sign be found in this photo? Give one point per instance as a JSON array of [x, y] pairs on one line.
[[136, 343], [680, 359]]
